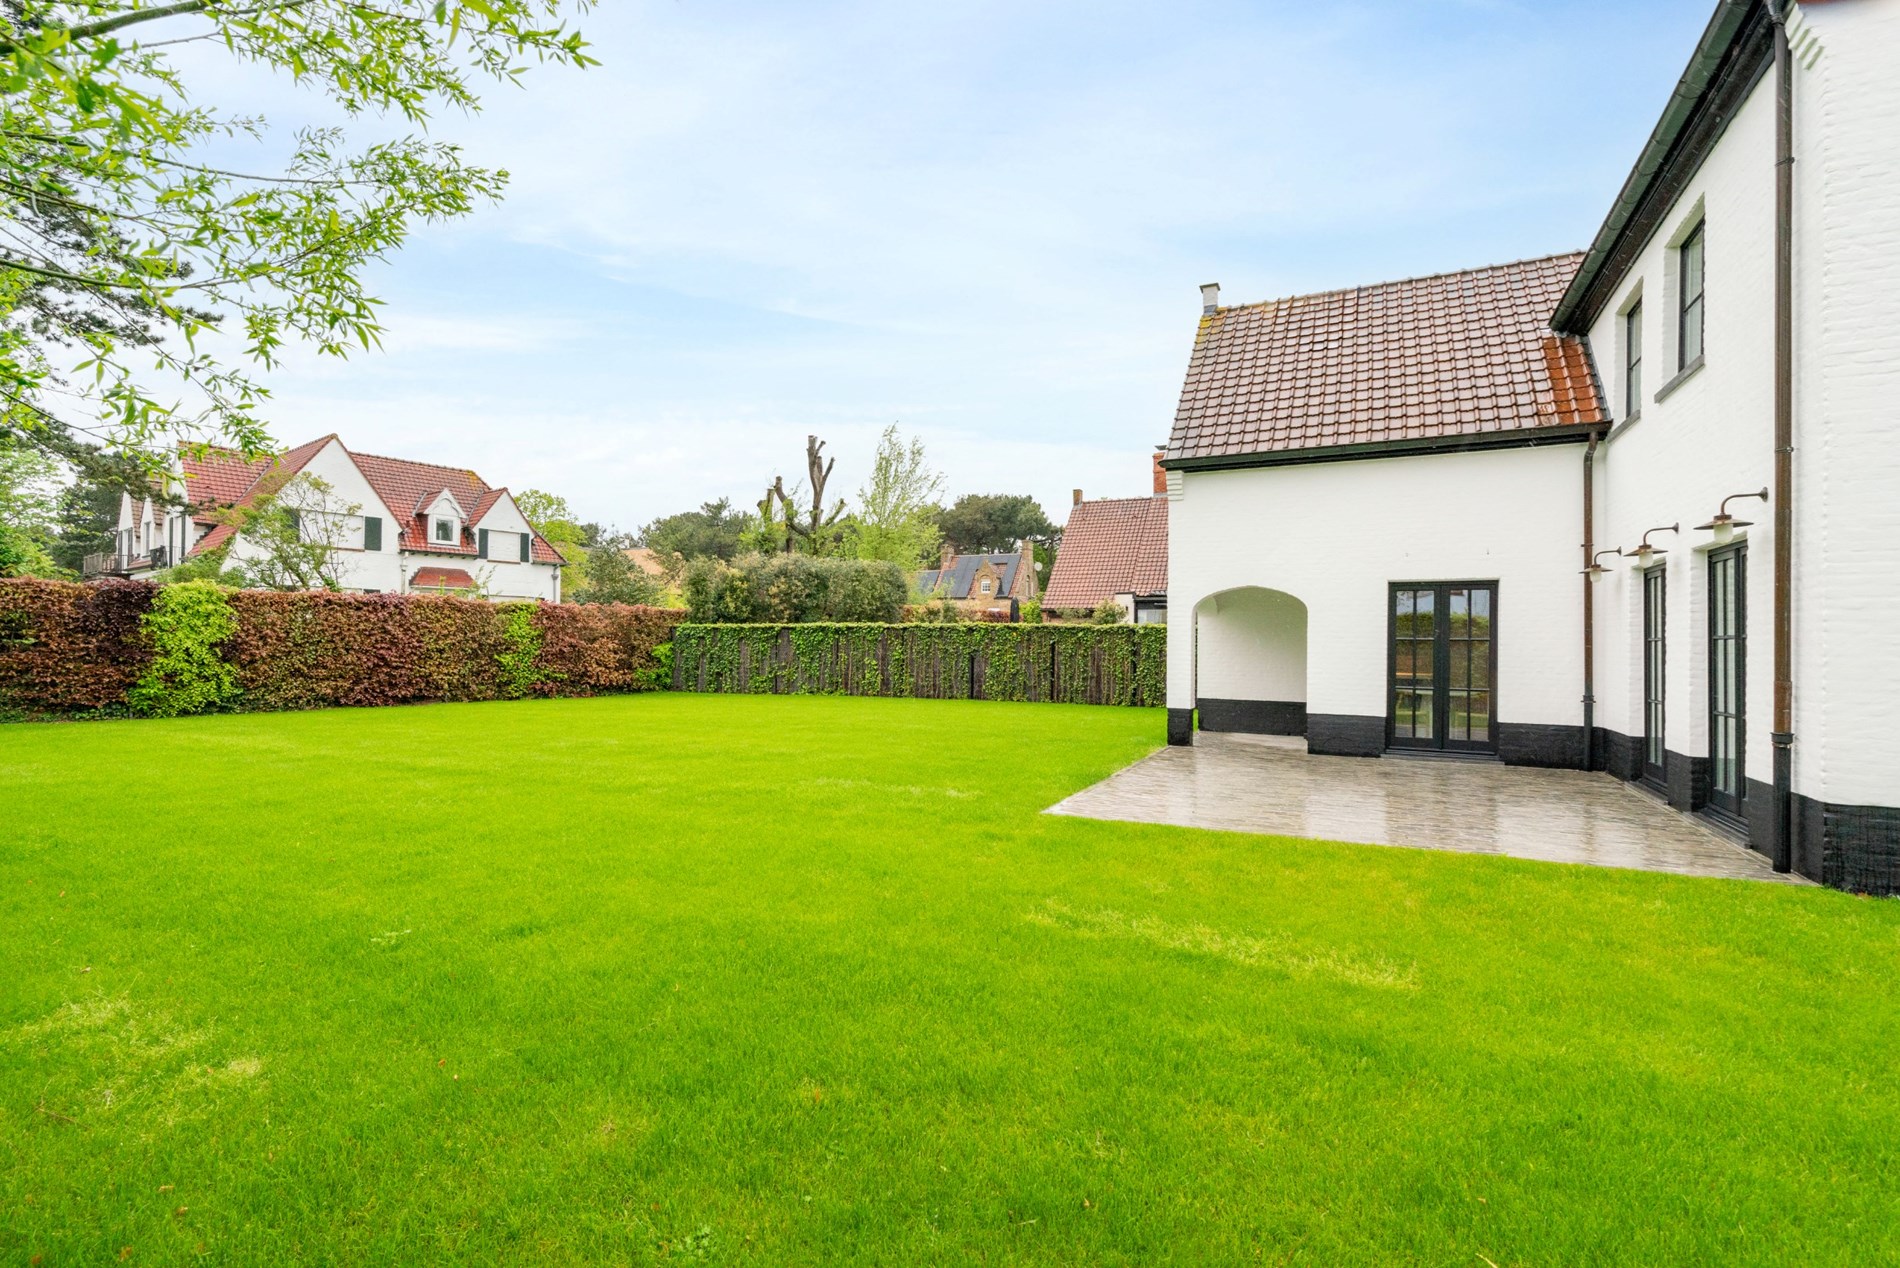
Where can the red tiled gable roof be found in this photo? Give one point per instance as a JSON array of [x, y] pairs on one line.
[[268, 476], [219, 477], [441, 579], [1110, 546], [1459, 354], [410, 487]]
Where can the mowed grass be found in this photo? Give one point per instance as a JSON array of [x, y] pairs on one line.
[[794, 980]]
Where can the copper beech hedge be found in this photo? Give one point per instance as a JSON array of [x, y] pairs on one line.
[[76, 649]]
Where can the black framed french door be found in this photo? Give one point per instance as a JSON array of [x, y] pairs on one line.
[[1441, 666], [1728, 678], [1655, 675]]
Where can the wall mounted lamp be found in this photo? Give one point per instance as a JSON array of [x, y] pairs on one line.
[[1724, 524], [1596, 569], [1645, 554]]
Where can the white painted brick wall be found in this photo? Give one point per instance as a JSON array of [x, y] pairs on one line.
[[1715, 435], [1847, 442], [1333, 535]]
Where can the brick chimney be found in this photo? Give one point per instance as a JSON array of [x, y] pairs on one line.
[[1078, 498], [1161, 477], [948, 557]]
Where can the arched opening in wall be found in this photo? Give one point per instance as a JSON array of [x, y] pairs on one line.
[[1250, 662]]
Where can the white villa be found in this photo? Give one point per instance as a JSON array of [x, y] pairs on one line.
[[1634, 509], [401, 527]]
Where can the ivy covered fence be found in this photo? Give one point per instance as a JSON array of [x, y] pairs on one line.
[[1094, 664]]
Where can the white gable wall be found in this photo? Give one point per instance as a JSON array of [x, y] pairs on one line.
[[378, 570], [1335, 534], [507, 576]]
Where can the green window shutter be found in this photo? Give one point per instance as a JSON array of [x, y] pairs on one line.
[[527, 547], [481, 547], [372, 532]]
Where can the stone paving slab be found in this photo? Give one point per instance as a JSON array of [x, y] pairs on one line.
[[1272, 785]]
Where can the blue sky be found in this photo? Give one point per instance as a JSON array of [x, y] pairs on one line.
[[983, 221]]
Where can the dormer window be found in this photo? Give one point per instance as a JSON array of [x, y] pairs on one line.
[[444, 529], [986, 585]]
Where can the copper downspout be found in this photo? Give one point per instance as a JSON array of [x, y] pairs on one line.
[[1783, 735], [1590, 603]]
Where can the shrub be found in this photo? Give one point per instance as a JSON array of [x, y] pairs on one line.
[[82, 649], [1110, 613], [187, 626], [71, 649], [521, 639], [793, 589]]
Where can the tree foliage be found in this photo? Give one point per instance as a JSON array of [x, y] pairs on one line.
[[29, 511], [717, 530], [896, 518], [993, 521], [793, 589], [293, 539], [127, 248], [608, 576]]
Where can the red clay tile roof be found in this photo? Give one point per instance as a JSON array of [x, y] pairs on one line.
[[1459, 354], [405, 487], [441, 579], [1110, 546], [408, 488], [268, 476], [220, 477]]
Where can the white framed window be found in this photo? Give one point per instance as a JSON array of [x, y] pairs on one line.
[[444, 530], [985, 585]]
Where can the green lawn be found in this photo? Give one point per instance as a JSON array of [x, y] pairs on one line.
[[798, 980]]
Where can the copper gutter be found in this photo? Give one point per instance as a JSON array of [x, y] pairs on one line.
[[1590, 603], [1783, 735]]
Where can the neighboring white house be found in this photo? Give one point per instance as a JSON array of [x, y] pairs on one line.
[[1383, 499], [415, 528]]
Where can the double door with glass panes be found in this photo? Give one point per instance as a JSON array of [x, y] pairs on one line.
[[1442, 666], [1728, 687], [1655, 674]]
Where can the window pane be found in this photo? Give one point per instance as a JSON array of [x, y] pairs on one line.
[[1633, 361], [1692, 333]]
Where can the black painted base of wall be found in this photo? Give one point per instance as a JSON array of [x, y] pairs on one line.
[[1533, 744], [1345, 735], [1861, 848], [1856, 848], [1180, 727], [1254, 717]]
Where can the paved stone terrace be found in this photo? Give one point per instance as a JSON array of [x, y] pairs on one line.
[[1272, 785]]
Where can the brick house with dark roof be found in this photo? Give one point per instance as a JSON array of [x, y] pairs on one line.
[[1529, 512], [988, 582], [1114, 550], [402, 527]]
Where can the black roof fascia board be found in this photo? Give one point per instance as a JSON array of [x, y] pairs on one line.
[[1734, 53], [1517, 438]]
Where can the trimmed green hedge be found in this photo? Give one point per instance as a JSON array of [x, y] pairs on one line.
[[1112, 665]]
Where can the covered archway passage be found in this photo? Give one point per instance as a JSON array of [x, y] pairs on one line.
[[1250, 662]]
